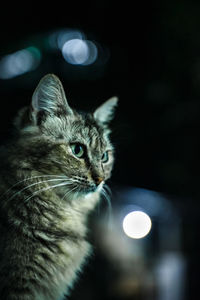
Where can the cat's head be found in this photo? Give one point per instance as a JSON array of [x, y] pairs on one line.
[[57, 140]]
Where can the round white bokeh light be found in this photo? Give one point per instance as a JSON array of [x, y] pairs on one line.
[[75, 51], [79, 52], [137, 224]]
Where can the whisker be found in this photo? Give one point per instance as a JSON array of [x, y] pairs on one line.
[[107, 198], [30, 185], [107, 189], [68, 192], [58, 162], [29, 178], [45, 189]]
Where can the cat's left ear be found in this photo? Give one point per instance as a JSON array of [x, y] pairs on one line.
[[49, 98], [105, 113]]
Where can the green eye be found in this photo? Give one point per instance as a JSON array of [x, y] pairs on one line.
[[78, 150], [104, 158]]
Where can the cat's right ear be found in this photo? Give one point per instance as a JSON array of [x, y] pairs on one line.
[[49, 99]]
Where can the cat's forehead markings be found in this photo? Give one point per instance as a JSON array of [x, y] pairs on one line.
[[94, 138], [87, 135]]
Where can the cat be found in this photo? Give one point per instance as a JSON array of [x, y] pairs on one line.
[[53, 171]]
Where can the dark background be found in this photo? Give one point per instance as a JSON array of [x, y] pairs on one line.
[[153, 65]]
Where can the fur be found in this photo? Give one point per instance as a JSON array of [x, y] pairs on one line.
[[47, 193]]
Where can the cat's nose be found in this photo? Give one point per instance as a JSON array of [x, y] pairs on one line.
[[98, 180]]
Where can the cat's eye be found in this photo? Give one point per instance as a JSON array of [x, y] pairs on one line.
[[78, 150], [104, 157]]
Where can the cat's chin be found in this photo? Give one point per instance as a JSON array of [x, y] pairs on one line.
[[88, 190]]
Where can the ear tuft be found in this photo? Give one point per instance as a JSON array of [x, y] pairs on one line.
[[105, 112], [49, 97]]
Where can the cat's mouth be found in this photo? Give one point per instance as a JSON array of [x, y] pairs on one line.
[[82, 185]]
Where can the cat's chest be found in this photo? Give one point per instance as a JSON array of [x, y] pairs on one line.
[[71, 262], [74, 252]]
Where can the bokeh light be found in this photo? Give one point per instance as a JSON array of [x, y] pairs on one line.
[[137, 224], [79, 52], [68, 34], [76, 48], [19, 62]]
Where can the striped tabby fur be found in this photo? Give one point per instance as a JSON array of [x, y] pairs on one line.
[[47, 192]]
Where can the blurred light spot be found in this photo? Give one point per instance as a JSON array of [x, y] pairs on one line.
[[93, 53], [79, 52], [76, 49], [19, 62], [67, 35], [152, 202], [136, 224], [170, 272], [57, 39]]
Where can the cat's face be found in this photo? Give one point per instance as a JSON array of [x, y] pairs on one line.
[[79, 149], [62, 142]]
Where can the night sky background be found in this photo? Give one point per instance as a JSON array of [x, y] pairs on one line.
[[152, 63]]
